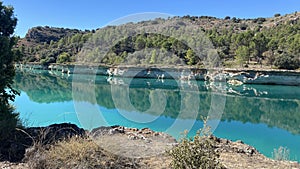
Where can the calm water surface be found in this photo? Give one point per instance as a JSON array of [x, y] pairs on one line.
[[263, 116]]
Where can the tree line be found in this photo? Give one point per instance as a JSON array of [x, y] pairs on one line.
[[239, 43]]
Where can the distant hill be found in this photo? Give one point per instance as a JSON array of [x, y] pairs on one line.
[[265, 42]]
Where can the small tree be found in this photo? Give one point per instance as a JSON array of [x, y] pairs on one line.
[[243, 26], [242, 54], [261, 43], [64, 57], [286, 61], [277, 15], [270, 57], [227, 18], [153, 57], [140, 43], [8, 120], [190, 56]]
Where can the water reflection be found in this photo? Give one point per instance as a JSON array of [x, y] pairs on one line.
[[275, 106]]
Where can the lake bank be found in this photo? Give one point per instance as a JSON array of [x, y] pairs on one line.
[[136, 142], [229, 75]]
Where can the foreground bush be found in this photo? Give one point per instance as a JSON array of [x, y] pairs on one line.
[[75, 153], [8, 120], [197, 152]]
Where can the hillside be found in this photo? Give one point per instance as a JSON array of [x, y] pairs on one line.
[[266, 42]]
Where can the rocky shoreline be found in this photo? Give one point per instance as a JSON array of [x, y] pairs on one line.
[[145, 145], [231, 76], [273, 77]]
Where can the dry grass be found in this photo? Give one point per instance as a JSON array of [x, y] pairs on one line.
[[76, 153]]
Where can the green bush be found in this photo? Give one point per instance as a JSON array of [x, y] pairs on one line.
[[286, 61], [243, 26], [259, 20], [64, 57], [277, 15], [197, 152]]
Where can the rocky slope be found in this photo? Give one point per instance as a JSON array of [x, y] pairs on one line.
[[47, 34]]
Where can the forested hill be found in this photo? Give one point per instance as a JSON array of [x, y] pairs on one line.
[[268, 42]]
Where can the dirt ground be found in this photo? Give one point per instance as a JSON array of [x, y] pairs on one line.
[[148, 148]]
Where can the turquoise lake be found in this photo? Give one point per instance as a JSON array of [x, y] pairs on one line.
[[264, 116]]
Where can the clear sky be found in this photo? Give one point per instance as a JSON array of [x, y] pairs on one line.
[[92, 14]]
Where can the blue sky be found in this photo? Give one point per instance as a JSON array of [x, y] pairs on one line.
[[92, 14]]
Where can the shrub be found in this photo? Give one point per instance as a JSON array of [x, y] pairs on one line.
[[64, 57], [243, 26], [235, 20], [286, 61], [197, 152], [227, 18], [277, 15]]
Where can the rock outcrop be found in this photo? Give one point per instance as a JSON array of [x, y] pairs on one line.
[[132, 142], [46, 34], [273, 77], [55, 132], [14, 148], [277, 77]]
